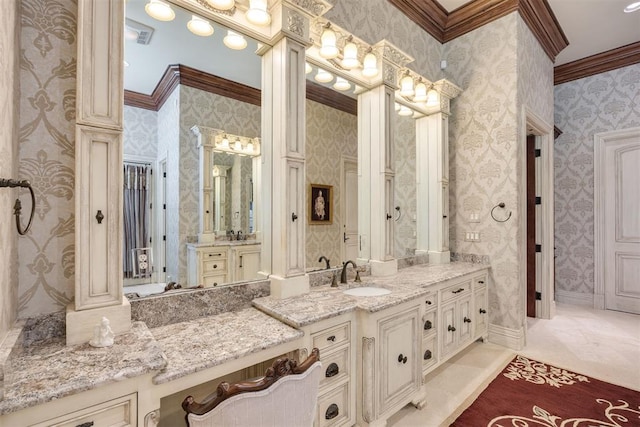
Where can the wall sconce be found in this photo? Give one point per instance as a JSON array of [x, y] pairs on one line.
[[234, 40], [370, 64], [157, 9], [328, 48], [432, 97], [406, 85], [257, 13], [350, 57], [323, 76], [199, 26], [421, 92], [341, 84], [222, 4]]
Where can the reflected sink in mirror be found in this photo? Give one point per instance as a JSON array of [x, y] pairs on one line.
[[366, 291]]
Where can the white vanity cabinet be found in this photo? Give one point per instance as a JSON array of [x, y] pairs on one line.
[[391, 368], [120, 412], [213, 265], [246, 262], [429, 332], [481, 305], [455, 328]]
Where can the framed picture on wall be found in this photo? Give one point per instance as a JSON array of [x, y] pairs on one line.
[[321, 204]]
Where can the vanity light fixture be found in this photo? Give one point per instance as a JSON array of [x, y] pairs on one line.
[[432, 97], [370, 64], [307, 68], [222, 4], [225, 141], [257, 13], [405, 111], [341, 84], [249, 147], [323, 76], [350, 56], [237, 145], [157, 9], [234, 40], [328, 48], [632, 7], [406, 85], [199, 26], [421, 92]]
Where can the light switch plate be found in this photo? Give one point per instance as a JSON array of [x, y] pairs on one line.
[[474, 217]]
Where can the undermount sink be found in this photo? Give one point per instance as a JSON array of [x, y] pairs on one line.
[[366, 291]]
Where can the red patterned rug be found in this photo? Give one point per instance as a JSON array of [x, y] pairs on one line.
[[528, 393]]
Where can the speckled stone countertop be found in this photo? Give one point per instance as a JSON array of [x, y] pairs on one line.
[[220, 338], [325, 302], [51, 370]]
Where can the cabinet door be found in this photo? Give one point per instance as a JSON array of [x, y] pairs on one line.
[[399, 357], [465, 319], [247, 263], [480, 311], [449, 330]]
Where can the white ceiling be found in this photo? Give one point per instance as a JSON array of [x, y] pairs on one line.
[[591, 26]]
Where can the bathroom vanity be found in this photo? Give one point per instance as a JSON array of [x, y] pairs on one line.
[[213, 264]]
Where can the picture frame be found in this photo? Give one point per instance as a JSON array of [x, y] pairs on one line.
[[320, 204]]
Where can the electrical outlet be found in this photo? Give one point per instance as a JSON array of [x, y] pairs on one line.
[[474, 217], [472, 236]]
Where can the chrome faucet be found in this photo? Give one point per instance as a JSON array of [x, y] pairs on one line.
[[230, 234], [343, 275], [239, 235], [326, 260]]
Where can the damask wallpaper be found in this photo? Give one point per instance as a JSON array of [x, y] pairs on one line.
[[8, 166], [405, 186], [46, 151], [601, 103], [140, 133]]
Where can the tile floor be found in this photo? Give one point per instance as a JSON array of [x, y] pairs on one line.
[[603, 344]]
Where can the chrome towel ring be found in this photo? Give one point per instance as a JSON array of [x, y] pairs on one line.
[[17, 207], [500, 205]]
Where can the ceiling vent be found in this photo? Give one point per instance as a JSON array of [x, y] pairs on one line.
[[137, 31]]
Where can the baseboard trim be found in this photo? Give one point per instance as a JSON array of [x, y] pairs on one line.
[[574, 298], [506, 337]]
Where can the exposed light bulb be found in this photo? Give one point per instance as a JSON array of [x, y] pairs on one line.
[[222, 4], [350, 58], [225, 142], [420, 92], [307, 68], [199, 26], [432, 97], [328, 48], [323, 76], [249, 147], [234, 40], [257, 13], [370, 65], [341, 84], [157, 9], [632, 7], [406, 85], [237, 145], [405, 111]]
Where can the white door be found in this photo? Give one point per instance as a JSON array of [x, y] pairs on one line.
[[620, 181], [350, 213], [161, 236]]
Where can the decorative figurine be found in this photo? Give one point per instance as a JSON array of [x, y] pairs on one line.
[[102, 334]]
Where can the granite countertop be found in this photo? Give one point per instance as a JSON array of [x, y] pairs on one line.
[[325, 302], [220, 338], [51, 370], [218, 243]]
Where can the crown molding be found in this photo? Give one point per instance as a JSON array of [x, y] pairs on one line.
[[180, 74], [444, 27], [599, 63]]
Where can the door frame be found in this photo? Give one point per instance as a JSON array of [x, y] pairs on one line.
[[534, 124], [600, 143]]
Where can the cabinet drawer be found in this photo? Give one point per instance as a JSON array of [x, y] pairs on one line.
[[429, 352], [429, 323], [331, 338], [211, 255], [336, 366], [456, 290], [480, 281], [214, 280], [430, 301], [120, 412], [214, 266], [334, 407]]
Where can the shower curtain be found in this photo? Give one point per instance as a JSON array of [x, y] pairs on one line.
[[136, 213]]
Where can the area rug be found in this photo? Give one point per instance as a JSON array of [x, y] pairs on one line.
[[528, 393]]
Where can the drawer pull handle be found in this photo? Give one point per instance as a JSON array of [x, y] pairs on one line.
[[483, 311], [332, 370], [428, 325], [87, 424], [480, 281], [215, 254], [466, 320], [215, 265], [457, 291], [332, 338], [99, 216], [427, 355], [428, 302], [402, 359], [451, 328], [332, 412]]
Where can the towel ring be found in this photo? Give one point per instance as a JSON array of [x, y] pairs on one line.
[[17, 207], [500, 205], [399, 213]]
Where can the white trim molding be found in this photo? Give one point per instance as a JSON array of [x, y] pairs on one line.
[[506, 337], [575, 298]]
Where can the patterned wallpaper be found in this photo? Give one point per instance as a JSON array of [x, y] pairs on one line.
[[331, 134], [405, 186], [46, 141], [600, 103], [8, 166], [140, 133]]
